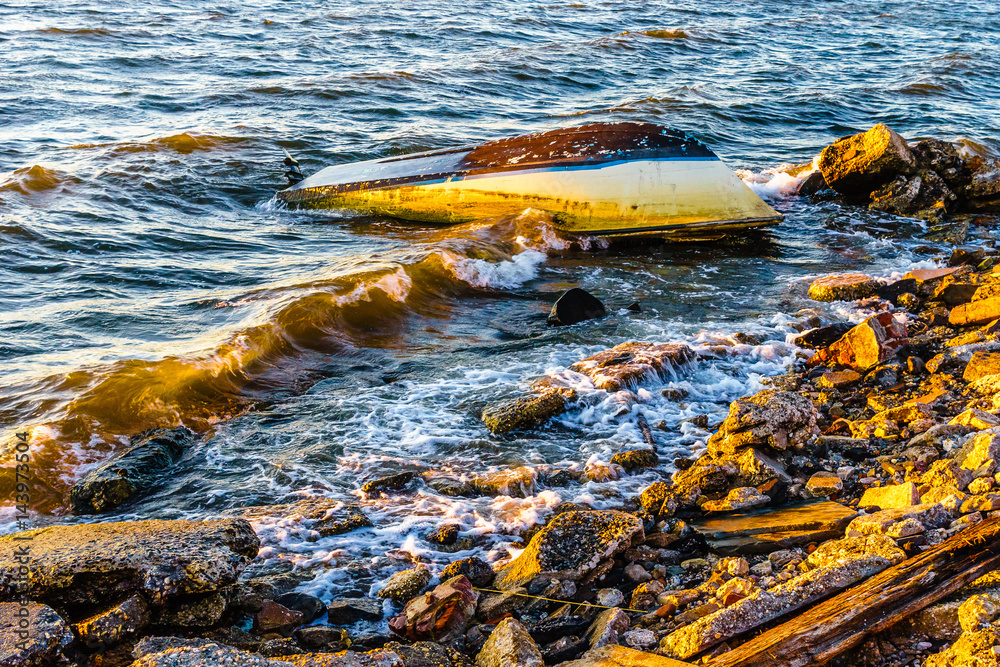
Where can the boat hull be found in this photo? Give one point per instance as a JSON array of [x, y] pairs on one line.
[[649, 192]]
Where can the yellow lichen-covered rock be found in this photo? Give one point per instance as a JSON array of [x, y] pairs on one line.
[[977, 419], [889, 497], [509, 645], [858, 164], [980, 450], [979, 611], [778, 419], [874, 341], [843, 287], [982, 363], [972, 649]]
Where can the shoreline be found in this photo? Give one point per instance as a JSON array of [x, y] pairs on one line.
[[888, 432]]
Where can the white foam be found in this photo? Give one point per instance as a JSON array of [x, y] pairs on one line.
[[505, 274]]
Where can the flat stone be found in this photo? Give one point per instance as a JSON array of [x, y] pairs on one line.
[[607, 627], [625, 366], [820, 337], [274, 617], [89, 564], [376, 658], [807, 516], [843, 287], [178, 652], [977, 419], [572, 545], [744, 497], [891, 497], [839, 567], [326, 516], [39, 643], [977, 311], [509, 645], [881, 523], [621, 656], [347, 611]]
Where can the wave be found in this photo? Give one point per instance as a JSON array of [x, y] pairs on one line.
[[183, 143], [91, 412], [29, 180]]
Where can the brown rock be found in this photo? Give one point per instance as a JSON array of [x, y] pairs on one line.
[[838, 379], [523, 412], [509, 645], [621, 656], [823, 484], [883, 523], [857, 165], [274, 617], [31, 634], [982, 363], [439, 615], [874, 341], [112, 625], [403, 586], [977, 311], [777, 419], [625, 365]]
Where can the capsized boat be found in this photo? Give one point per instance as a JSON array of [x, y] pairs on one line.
[[603, 179]]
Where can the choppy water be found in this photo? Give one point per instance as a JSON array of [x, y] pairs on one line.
[[148, 279]]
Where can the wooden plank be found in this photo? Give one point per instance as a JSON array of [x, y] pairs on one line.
[[843, 621]]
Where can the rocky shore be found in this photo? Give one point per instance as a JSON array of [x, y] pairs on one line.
[[847, 514]]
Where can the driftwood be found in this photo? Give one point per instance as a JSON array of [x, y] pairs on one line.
[[647, 433], [841, 622]]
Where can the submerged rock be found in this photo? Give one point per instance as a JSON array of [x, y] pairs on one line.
[[326, 516], [857, 165], [571, 546], [636, 459], [130, 474], [822, 336], [347, 611], [89, 564], [628, 364], [520, 482], [523, 412], [439, 615], [395, 482], [31, 634], [575, 305]]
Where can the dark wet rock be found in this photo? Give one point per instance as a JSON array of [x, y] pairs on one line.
[[523, 412], [518, 482], [347, 611], [439, 615], [564, 648], [193, 611], [873, 342], [39, 642], [428, 654], [812, 184], [572, 545], [395, 482], [326, 516], [967, 255], [178, 652], [509, 645], [777, 419], [311, 607], [110, 626], [405, 585], [634, 307], [843, 287], [445, 534], [763, 531], [274, 617], [132, 473], [575, 305], [495, 606], [549, 629], [475, 569], [923, 195], [448, 485], [636, 459], [857, 165], [822, 336], [89, 564], [943, 158], [628, 364], [322, 637], [893, 291]]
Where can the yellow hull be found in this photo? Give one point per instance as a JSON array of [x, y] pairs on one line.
[[657, 197]]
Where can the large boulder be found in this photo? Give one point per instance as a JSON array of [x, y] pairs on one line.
[[571, 546], [132, 473], [31, 634], [777, 419], [874, 341], [89, 564], [857, 165], [439, 615], [509, 645], [575, 305]]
